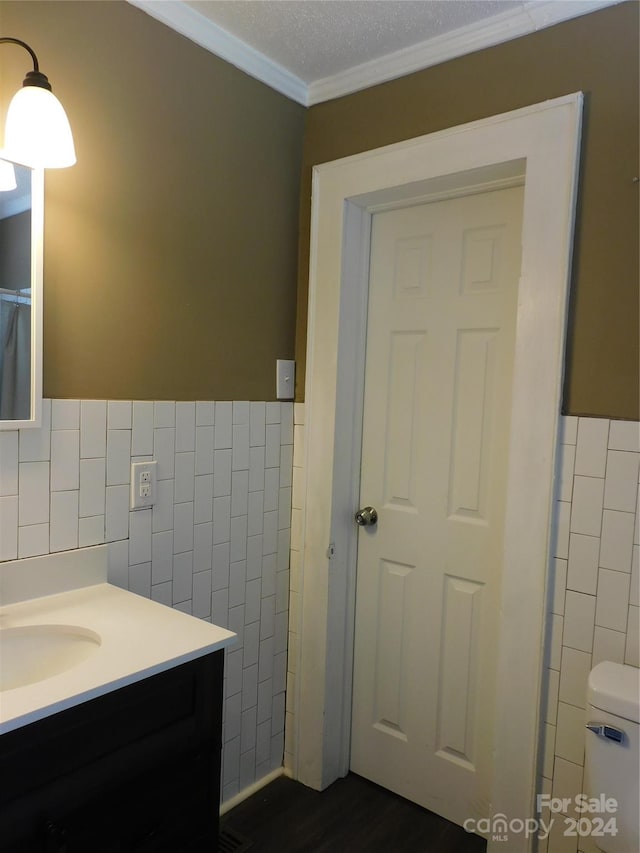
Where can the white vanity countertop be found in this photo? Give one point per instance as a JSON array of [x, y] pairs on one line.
[[138, 638]]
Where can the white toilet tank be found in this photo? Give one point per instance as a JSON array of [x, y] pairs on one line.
[[612, 765]]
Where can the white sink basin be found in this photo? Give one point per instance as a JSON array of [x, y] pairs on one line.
[[32, 653]]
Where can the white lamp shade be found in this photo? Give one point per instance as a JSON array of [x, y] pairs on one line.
[[7, 176], [37, 132]]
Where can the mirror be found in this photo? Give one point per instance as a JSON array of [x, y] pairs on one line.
[[21, 227]]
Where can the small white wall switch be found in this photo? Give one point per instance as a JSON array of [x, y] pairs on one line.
[[285, 379], [143, 485]]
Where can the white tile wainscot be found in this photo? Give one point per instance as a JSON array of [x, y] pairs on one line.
[[237, 504], [216, 544], [594, 596]]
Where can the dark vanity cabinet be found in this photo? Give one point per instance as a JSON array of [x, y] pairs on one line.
[[137, 769]]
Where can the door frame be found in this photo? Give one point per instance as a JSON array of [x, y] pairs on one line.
[[542, 143]]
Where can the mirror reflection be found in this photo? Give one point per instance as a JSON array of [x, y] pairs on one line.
[[15, 293]]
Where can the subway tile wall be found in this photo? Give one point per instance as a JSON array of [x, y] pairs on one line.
[[595, 593], [216, 544]]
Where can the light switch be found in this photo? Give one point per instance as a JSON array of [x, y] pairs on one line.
[[285, 379]]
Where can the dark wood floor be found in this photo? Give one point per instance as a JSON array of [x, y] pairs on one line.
[[352, 815]]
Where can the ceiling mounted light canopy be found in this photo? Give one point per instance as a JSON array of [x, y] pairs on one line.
[[37, 132]]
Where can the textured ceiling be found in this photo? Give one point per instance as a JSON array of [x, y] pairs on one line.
[[314, 39], [314, 50]]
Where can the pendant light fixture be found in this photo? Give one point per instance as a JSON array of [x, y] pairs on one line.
[[37, 132]]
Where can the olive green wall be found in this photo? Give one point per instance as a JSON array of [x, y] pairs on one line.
[[597, 54], [170, 248]]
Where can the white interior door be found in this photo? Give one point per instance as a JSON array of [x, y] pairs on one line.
[[440, 339]]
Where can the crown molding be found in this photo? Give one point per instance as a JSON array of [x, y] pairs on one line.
[[532, 15], [508, 25], [194, 26]]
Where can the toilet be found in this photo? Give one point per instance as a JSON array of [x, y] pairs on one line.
[[612, 760]]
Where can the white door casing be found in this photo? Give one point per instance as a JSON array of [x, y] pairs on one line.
[[443, 286], [544, 141]]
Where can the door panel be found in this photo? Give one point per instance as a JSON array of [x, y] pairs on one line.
[[407, 351], [391, 663], [441, 328], [471, 423]]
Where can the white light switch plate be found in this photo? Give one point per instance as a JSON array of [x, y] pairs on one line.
[[285, 379], [143, 484]]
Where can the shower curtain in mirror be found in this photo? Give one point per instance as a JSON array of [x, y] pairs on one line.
[[15, 361]]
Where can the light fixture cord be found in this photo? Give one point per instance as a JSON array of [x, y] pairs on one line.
[[35, 77], [8, 40]]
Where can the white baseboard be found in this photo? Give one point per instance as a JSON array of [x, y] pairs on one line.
[[241, 796]]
